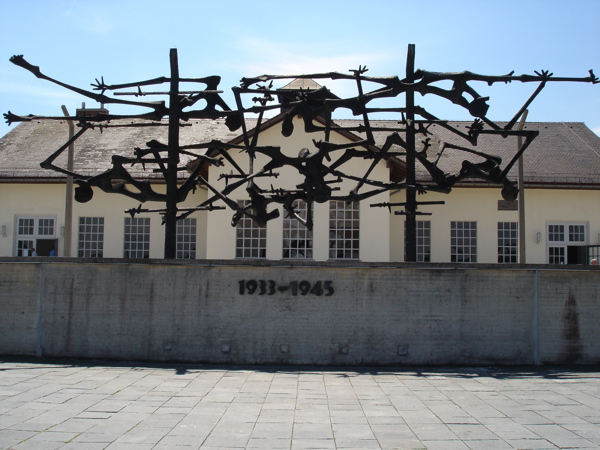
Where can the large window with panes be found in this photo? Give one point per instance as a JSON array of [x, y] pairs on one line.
[[344, 230], [186, 238], [137, 237], [463, 242], [423, 231], [297, 239], [251, 238], [35, 235], [508, 242], [423, 240], [90, 243], [566, 243]]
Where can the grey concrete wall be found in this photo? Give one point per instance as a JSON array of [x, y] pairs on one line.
[[569, 317], [20, 290], [363, 314]]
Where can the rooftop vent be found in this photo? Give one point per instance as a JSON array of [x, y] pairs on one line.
[[90, 112]]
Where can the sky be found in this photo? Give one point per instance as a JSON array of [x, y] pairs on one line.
[[77, 41]]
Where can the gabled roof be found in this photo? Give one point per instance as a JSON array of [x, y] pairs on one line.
[[566, 154], [302, 83], [397, 167], [26, 146], [320, 121]]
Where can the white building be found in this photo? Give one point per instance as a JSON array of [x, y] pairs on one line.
[[562, 194]]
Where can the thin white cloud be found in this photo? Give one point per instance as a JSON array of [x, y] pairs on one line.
[[88, 17], [258, 56], [596, 130], [22, 98], [33, 91], [276, 57]]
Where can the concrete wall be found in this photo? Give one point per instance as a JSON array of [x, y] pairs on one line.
[[370, 314]]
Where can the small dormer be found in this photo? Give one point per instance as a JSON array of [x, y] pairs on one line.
[[290, 91]]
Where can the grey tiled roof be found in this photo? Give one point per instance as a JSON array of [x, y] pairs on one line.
[[26, 146], [566, 153], [563, 153]]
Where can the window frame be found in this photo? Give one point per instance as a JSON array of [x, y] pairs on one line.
[[144, 242], [458, 231], [250, 238], [295, 232], [423, 235], [344, 230], [562, 235], [508, 246], [40, 230], [90, 237], [186, 238]]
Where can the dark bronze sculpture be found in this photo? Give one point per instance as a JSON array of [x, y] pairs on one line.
[[322, 167]]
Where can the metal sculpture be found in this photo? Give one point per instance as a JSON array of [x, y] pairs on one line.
[[322, 167], [164, 157]]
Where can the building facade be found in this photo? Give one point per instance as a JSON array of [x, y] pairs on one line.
[[474, 225]]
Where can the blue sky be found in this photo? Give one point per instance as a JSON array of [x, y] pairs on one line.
[[77, 41]]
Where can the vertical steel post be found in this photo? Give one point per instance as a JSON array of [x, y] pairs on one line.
[[521, 200], [69, 192], [410, 232], [535, 328], [173, 155]]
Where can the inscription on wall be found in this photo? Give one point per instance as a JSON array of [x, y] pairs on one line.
[[508, 205], [270, 287]]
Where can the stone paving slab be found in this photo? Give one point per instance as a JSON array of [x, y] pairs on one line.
[[66, 404]]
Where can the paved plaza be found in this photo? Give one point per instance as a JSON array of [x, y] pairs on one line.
[[96, 405]]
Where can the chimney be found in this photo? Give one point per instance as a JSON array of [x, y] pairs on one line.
[[90, 112]]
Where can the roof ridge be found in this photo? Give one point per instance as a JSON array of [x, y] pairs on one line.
[[581, 139]]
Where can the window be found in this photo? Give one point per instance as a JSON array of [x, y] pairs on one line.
[[576, 233], [344, 221], [508, 238], [35, 232], [567, 243], [137, 237], [45, 227], [297, 239], [251, 239], [463, 242], [91, 237], [593, 254], [25, 236], [423, 240], [556, 233], [556, 255], [186, 239]]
